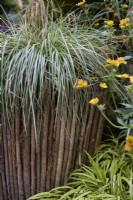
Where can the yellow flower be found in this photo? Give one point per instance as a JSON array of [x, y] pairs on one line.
[[129, 143], [124, 23], [121, 60], [103, 85], [117, 62], [127, 147], [109, 22], [124, 6], [113, 62], [129, 140], [94, 101], [123, 37], [81, 84], [81, 3], [131, 79], [122, 76], [96, 24]]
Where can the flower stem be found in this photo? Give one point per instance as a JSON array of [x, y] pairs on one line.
[[121, 127]]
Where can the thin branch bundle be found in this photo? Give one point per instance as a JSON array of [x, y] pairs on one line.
[[41, 149]]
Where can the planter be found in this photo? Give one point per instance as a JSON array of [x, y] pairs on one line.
[[47, 124], [40, 157]]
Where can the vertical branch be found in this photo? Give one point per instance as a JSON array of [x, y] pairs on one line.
[[67, 137], [66, 146], [45, 139], [26, 152], [88, 129], [1, 190], [42, 14], [3, 179], [14, 160], [50, 144], [83, 132], [60, 152], [6, 164], [33, 158], [9, 139], [3, 163], [18, 151], [99, 130], [94, 131], [75, 161], [38, 151], [55, 149], [72, 135]]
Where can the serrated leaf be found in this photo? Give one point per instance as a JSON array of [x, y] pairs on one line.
[[121, 122]]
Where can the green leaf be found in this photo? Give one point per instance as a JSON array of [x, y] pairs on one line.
[[121, 122]]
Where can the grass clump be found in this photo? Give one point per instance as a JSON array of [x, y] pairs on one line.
[[62, 54], [108, 175]]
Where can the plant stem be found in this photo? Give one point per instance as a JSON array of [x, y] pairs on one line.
[[121, 127]]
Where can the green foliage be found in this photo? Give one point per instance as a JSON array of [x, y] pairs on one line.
[[115, 17], [61, 52], [123, 117], [9, 3], [108, 175]]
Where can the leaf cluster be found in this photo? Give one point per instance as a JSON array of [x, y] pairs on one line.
[[108, 175], [61, 54]]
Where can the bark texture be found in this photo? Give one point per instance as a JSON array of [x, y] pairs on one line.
[[40, 150]]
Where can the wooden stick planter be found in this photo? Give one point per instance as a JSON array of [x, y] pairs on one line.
[[35, 163], [41, 148], [52, 124]]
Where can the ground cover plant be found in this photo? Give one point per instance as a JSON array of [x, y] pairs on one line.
[[108, 175]]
